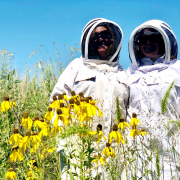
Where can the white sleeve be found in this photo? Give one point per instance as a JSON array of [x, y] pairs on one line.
[[66, 80]]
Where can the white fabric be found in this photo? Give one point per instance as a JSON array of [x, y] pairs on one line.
[[148, 85], [103, 86]]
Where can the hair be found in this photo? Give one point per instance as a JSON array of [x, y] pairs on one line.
[[138, 52]]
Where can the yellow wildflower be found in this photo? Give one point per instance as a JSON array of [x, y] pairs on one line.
[[108, 151], [36, 140], [11, 174], [61, 117], [49, 115], [15, 138], [115, 134], [134, 120], [31, 175], [92, 103], [46, 151], [25, 142], [26, 121], [134, 132], [100, 134], [143, 132], [16, 154], [33, 164], [123, 124], [44, 129], [55, 103], [56, 131], [5, 105], [99, 158], [12, 103]]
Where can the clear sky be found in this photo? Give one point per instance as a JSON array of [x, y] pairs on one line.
[[26, 24]]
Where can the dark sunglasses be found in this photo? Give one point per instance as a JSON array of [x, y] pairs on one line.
[[104, 35], [154, 38]]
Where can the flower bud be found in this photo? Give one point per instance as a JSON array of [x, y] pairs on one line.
[[134, 115], [73, 93], [6, 98], [115, 127], [25, 115], [121, 120], [54, 98], [35, 133], [71, 101], [81, 94], [49, 108], [28, 133], [16, 131], [59, 111], [37, 118], [60, 97]]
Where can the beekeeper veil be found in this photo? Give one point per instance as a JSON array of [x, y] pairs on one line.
[[161, 32], [111, 37]]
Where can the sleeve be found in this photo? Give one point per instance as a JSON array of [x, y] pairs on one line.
[[65, 82]]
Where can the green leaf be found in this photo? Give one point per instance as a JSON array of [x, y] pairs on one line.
[[71, 176]]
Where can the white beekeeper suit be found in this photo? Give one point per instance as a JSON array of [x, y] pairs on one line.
[[149, 81], [104, 80]]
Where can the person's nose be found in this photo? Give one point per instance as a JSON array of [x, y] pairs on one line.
[[100, 38]]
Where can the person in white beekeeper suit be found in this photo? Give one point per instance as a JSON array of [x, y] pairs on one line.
[[153, 51], [98, 73]]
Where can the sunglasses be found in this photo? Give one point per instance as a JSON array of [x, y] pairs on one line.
[[104, 35], [154, 38]]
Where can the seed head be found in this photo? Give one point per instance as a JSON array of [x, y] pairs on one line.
[[49, 108], [59, 111], [6, 98], [99, 127], [77, 102], [108, 145], [71, 101], [28, 133], [42, 120], [35, 133], [134, 115], [82, 99], [54, 98], [99, 155], [15, 147], [12, 100], [90, 97], [16, 131], [37, 118], [61, 104], [142, 129], [87, 99], [81, 94], [115, 127], [25, 115], [121, 120], [33, 119], [64, 93], [73, 93], [60, 97], [10, 169]]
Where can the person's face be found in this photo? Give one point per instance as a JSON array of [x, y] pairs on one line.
[[149, 44], [101, 41]]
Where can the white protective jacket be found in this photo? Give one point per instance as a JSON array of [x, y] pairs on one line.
[[104, 80], [148, 84]]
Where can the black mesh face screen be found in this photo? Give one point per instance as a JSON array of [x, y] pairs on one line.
[[109, 37]]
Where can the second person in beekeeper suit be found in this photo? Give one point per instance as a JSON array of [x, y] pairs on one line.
[[98, 73], [153, 52]]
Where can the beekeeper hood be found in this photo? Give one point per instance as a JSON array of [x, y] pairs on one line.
[[111, 38], [168, 43]]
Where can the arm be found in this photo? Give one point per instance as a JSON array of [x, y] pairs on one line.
[[65, 82]]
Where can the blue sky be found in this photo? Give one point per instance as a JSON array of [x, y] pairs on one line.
[[27, 24]]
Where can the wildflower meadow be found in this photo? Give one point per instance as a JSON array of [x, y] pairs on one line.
[[54, 140]]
